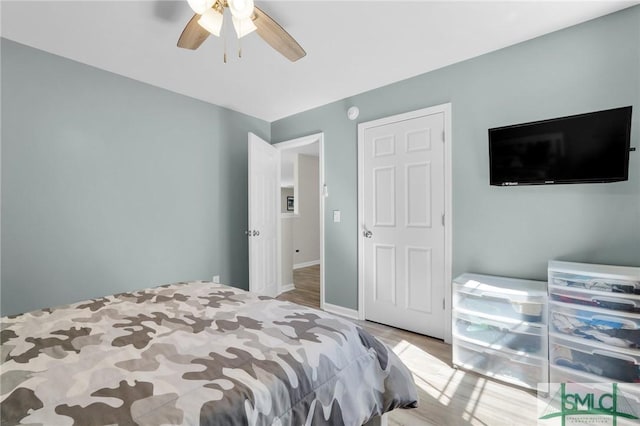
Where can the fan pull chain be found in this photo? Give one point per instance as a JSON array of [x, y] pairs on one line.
[[240, 43], [224, 41]]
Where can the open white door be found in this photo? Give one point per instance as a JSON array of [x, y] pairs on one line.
[[264, 214]]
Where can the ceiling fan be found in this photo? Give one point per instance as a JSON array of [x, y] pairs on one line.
[[246, 18]]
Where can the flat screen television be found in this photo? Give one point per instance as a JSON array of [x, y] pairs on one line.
[[584, 148]]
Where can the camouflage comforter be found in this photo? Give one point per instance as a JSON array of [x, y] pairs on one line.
[[194, 353]]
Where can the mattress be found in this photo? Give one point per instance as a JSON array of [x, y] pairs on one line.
[[195, 353]]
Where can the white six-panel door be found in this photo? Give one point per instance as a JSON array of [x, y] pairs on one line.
[[264, 214], [402, 232]]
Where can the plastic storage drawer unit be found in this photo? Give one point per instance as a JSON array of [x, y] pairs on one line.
[[594, 322], [500, 328]]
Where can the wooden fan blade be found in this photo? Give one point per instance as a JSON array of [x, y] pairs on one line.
[[276, 36], [193, 34]]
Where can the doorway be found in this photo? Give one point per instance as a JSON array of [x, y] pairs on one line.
[[301, 239], [404, 209]]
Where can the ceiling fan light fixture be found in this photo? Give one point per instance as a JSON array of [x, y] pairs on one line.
[[197, 29], [243, 26], [200, 6], [241, 9], [211, 20]]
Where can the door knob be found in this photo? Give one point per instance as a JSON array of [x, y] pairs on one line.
[[247, 233], [367, 234], [256, 233]]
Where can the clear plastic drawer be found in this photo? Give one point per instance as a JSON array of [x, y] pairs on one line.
[[568, 375], [589, 282], [591, 274], [522, 338], [596, 359], [613, 328], [520, 370], [613, 301], [501, 297]]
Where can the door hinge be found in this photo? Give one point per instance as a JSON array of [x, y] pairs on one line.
[[443, 303], [442, 219], [443, 136]]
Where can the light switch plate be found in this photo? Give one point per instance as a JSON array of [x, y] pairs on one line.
[[336, 215]]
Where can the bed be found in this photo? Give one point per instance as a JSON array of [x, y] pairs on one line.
[[195, 353]]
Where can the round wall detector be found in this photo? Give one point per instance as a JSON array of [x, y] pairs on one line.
[[353, 112]]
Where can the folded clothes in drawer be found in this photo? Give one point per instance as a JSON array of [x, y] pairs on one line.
[[596, 324], [609, 285], [568, 375], [596, 360], [489, 334], [624, 304]]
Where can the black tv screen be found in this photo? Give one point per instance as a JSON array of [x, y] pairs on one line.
[[584, 148]]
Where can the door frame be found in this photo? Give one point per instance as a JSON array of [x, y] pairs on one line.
[[296, 143], [448, 213]]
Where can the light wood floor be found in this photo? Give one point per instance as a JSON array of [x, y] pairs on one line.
[[307, 283], [448, 396]]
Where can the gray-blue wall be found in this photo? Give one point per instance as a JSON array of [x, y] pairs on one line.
[[503, 231], [111, 185]]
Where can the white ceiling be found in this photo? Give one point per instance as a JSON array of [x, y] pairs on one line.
[[352, 46]]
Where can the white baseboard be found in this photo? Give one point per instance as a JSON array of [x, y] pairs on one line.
[[306, 264], [339, 310], [287, 287]]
